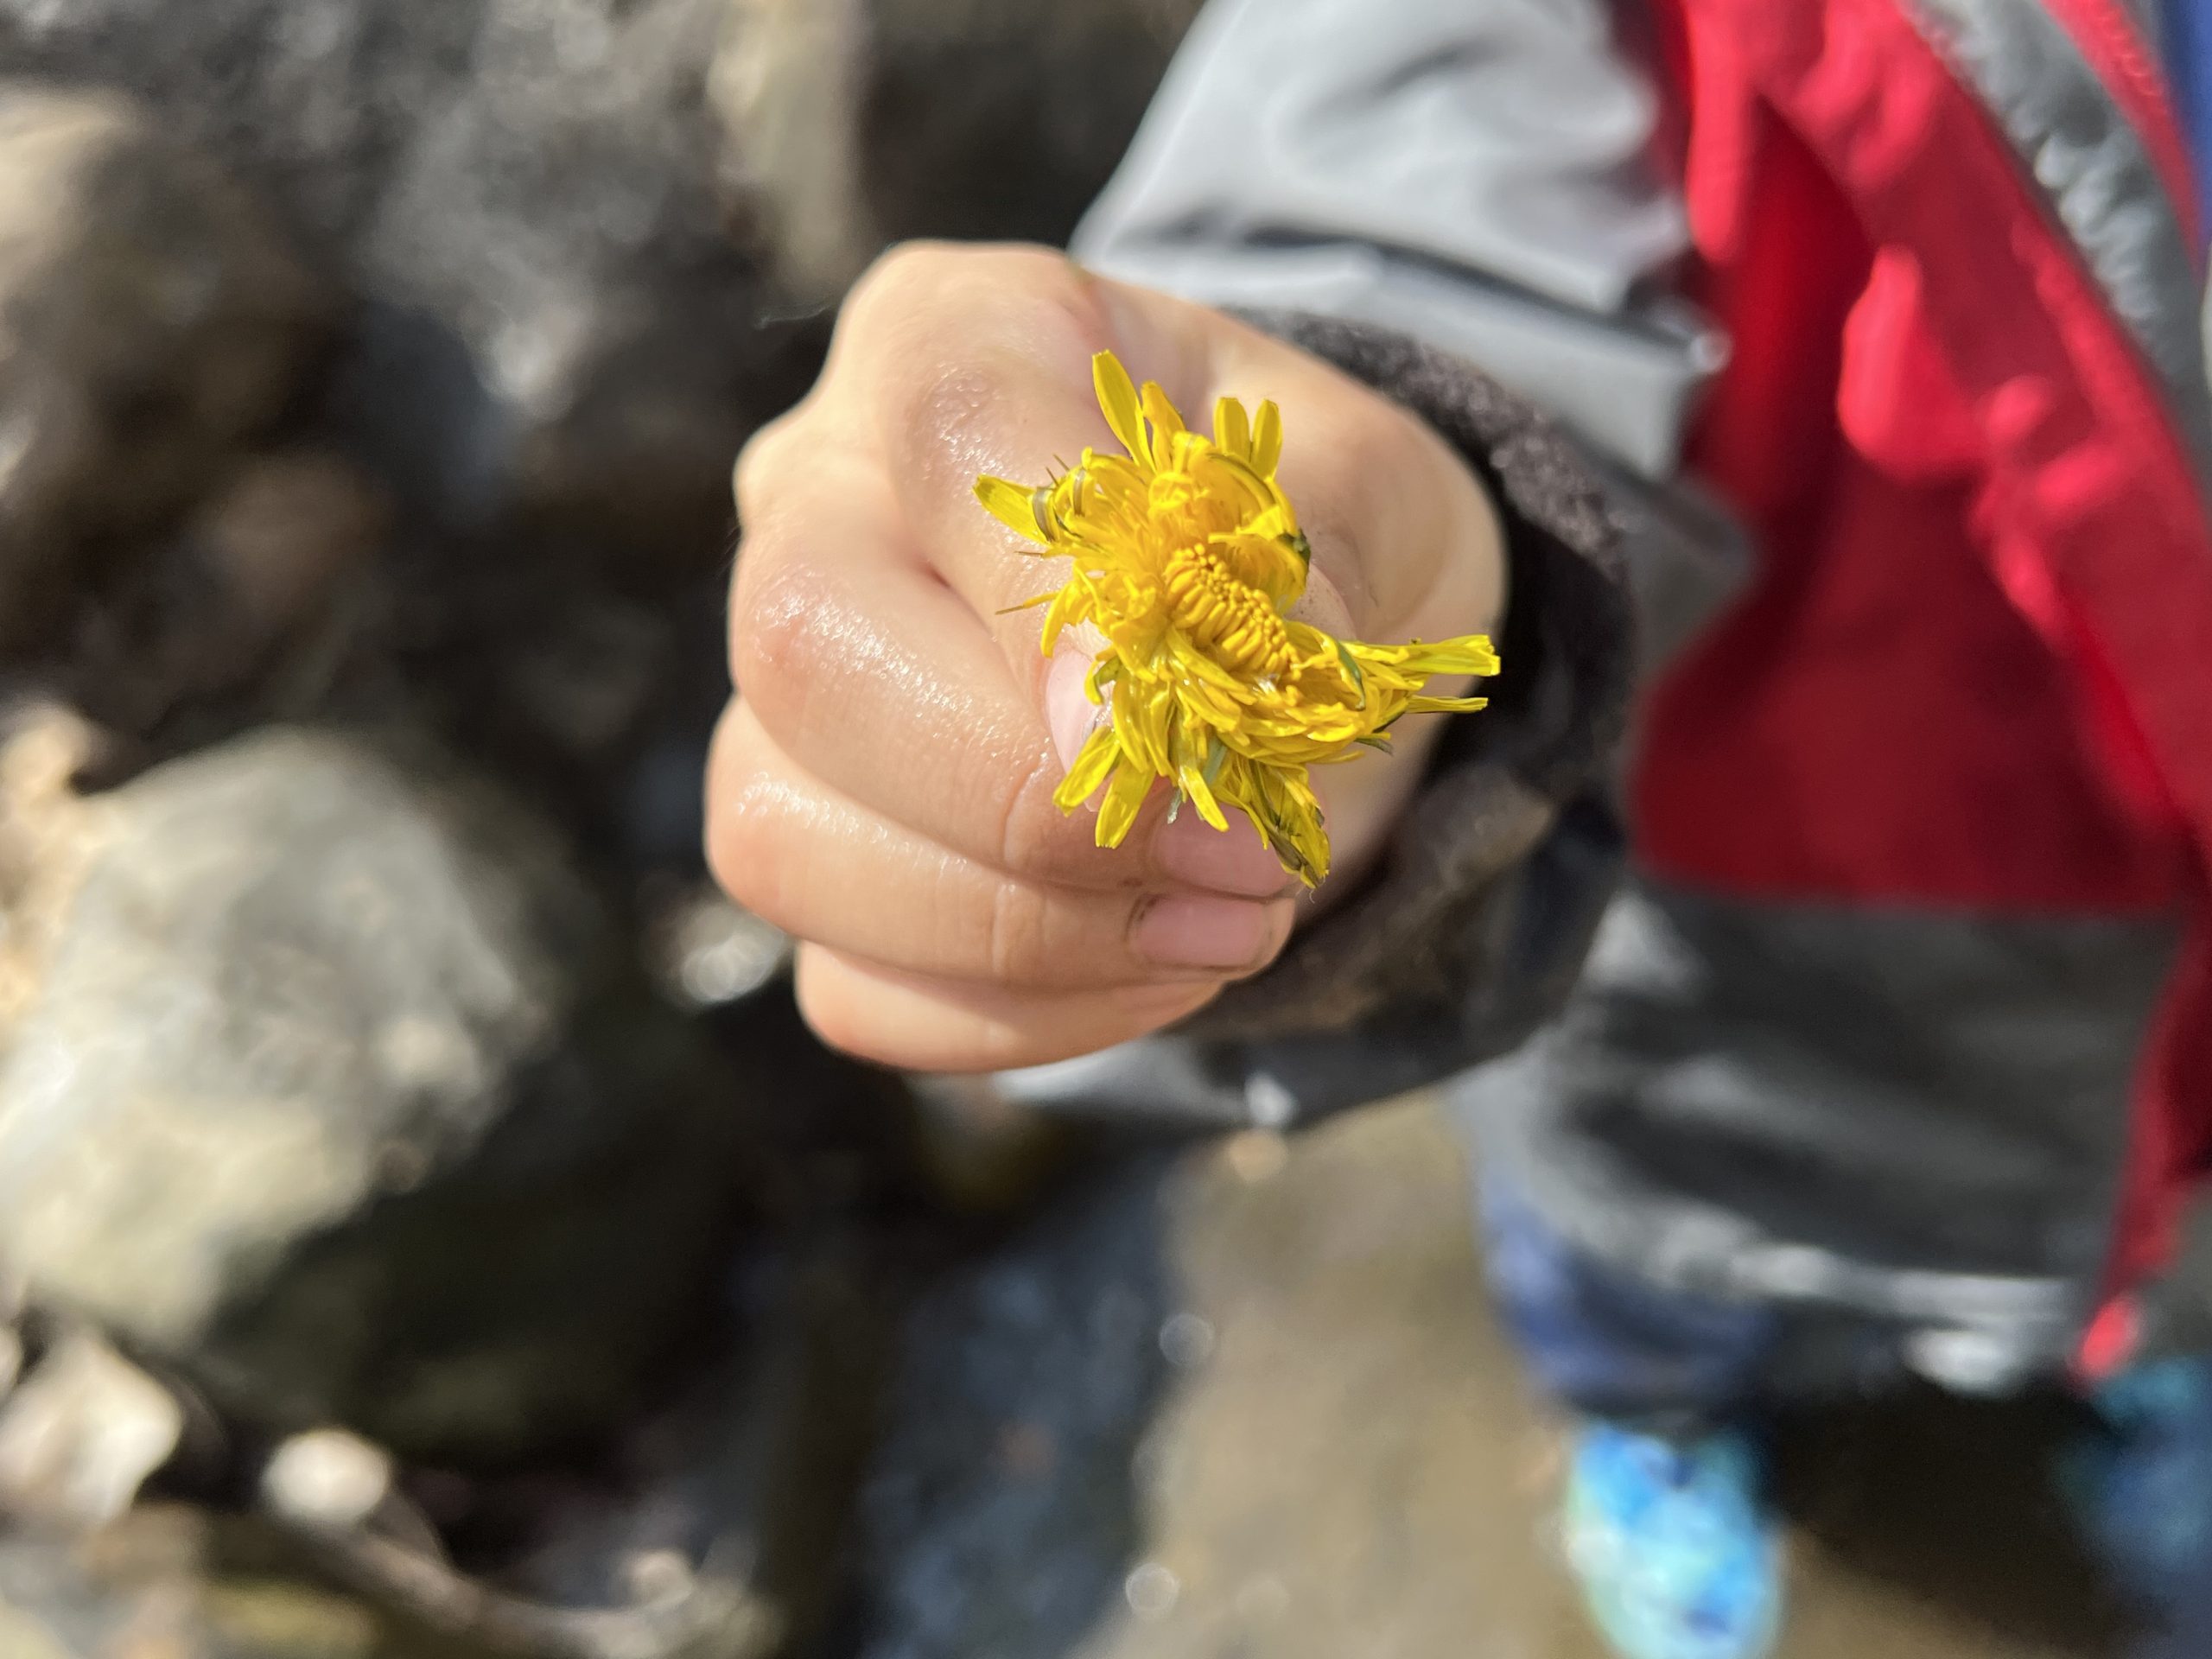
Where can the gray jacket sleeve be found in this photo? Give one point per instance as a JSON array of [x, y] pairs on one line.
[[1406, 189], [1477, 175]]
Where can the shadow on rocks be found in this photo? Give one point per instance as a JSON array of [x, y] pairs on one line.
[[1002, 1516], [1951, 1501]]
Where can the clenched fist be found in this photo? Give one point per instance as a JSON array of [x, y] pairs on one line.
[[881, 784]]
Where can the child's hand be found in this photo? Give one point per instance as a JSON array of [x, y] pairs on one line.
[[882, 787]]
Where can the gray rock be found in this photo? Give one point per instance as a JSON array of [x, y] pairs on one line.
[[853, 124], [150, 321], [326, 1477], [81, 1435], [338, 1093], [558, 325], [1246, 1399], [169, 1582]]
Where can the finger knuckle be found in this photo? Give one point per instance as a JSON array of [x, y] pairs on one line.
[[763, 464], [903, 276], [1030, 828], [745, 847], [922, 297], [778, 616], [1015, 942]]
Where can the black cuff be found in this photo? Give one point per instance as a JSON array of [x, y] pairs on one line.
[[1431, 924]]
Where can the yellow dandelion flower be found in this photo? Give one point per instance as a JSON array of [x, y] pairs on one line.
[[1186, 556]]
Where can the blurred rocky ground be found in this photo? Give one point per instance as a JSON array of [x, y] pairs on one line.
[[426, 1232], [1242, 1399]]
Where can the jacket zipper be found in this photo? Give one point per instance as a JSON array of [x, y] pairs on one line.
[[2107, 37]]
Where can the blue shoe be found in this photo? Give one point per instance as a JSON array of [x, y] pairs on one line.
[[2141, 1483], [1676, 1553]]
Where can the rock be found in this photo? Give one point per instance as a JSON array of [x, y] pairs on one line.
[[81, 1435], [338, 1093], [150, 320], [1244, 1400], [705, 952], [713, 1528], [559, 329], [326, 1477], [45, 835], [568, 689], [279, 540], [252, 609], [980, 1154], [999, 1516], [788, 83], [842, 135], [169, 1582]]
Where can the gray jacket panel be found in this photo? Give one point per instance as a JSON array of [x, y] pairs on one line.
[[1477, 176], [1917, 1117]]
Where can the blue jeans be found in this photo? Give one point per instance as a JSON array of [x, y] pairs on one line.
[[1608, 1344]]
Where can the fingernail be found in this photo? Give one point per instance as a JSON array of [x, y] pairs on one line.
[[1068, 712], [1190, 929], [1233, 860]]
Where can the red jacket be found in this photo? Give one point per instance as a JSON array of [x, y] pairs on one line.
[[2042, 741]]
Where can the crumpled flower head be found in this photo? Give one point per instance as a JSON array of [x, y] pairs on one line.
[[1186, 556]]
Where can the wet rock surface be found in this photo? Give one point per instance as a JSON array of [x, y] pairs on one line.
[[338, 1092], [170, 1583], [840, 136], [1245, 1399], [151, 317]]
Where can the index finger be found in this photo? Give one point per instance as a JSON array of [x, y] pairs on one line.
[[977, 362]]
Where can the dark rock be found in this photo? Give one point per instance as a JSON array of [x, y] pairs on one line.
[[853, 124], [740, 1495], [711, 1528], [338, 1093], [1001, 1517], [253, 609], [570, 687], [150, 321], [558, 326], [1049, 96], [980, 1154], [280, 538]]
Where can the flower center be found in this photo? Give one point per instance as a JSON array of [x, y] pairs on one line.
[[1232, 620]]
